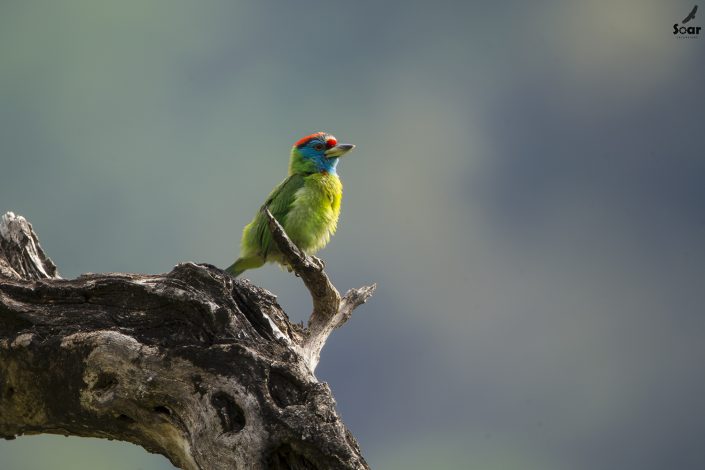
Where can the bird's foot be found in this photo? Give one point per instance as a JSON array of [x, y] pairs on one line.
[[318, 262]]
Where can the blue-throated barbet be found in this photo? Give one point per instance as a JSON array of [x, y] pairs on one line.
[[306, 204]]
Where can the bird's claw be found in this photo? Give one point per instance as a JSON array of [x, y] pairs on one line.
[[318, 262]]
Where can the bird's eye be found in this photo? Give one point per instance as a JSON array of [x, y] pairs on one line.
[[318, 147]]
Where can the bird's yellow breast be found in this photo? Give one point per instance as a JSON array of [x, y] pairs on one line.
[[313, 216]]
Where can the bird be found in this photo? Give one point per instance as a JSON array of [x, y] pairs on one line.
[[306, 204], [691, 15]]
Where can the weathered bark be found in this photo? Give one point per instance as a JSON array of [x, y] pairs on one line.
[[194, 365]]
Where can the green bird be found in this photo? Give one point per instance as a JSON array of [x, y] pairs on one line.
[[306, 204]]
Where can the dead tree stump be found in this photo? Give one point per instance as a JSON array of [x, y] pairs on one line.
[[194, 365]]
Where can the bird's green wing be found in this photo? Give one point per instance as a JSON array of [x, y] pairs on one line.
[[279, 203]]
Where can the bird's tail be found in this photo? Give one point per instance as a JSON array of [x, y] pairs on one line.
[[234, 270], [243, 264]]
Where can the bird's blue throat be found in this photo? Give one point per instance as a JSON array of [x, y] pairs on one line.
[[327, 165]]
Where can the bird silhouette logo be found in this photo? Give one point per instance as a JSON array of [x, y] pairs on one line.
[[691, 15], [682, 31]]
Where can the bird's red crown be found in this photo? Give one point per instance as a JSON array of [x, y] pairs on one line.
[[327, 138]]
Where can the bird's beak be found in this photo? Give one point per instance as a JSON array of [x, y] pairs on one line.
[[339, 150]]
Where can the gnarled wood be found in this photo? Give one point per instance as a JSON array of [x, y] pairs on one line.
[[202, 368], [330, 311]]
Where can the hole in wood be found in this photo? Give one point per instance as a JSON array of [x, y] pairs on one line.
[[284, 391], [126, 419], [286, 457], [162, 410], [105, 381], [232, 418]]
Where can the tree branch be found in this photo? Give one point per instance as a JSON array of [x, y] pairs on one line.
[[201, 368], [21, 256], [330, 311]]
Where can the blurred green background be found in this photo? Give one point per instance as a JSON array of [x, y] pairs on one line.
[[528, 190]]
